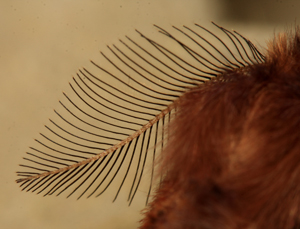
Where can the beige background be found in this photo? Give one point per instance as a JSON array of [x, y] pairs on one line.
[[43, 43]]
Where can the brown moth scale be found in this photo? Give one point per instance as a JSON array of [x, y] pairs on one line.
[[225, 117]]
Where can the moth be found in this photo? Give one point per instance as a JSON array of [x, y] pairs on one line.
[[212, 120]]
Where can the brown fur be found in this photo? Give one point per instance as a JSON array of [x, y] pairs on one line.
[[234, 155]]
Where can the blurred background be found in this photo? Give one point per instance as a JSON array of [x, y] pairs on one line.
[[44, 43]]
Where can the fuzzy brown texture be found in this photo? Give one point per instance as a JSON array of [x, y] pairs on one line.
[[234, 154]]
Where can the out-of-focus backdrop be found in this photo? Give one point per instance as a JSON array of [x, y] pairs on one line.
[[43, 43]]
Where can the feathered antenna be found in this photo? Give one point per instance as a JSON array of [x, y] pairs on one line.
[[113, 122]]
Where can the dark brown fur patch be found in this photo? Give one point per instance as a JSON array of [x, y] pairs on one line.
[[234, 155]]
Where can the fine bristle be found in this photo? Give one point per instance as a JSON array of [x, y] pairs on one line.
[[284, 51]]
